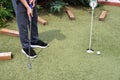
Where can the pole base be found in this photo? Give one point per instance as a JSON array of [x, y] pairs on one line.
[[90, 51]]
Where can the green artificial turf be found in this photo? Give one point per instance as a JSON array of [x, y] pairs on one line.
[[66, 57]]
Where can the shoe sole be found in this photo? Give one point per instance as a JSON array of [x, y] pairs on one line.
[[37, 46], [28, 55]]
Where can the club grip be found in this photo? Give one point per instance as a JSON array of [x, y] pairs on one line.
[[31, 6]]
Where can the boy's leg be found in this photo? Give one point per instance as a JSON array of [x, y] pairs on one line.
[[35, 41], [22, 20], [34, 28]]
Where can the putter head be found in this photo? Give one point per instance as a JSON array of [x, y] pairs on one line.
[[29, 65], [90, 51]]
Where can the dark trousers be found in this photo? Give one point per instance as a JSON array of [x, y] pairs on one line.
[[23, 23]]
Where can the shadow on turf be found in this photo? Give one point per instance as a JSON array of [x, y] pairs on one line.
[[51, 35]]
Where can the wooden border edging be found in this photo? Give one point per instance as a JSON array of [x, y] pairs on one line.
[[9, 32], [42, 21], [103, 15], [6, 56], [70, 13]]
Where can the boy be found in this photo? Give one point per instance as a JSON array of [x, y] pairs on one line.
[[23, 14]]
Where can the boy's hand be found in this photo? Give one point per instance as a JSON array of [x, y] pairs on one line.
[[29, 10], [30, 13]]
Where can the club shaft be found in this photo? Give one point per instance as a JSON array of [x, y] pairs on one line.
[[29, 38]]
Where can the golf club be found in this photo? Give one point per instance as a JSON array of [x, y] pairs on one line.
[[29, 37]]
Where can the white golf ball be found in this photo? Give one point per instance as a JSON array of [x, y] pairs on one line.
[[98, 52]]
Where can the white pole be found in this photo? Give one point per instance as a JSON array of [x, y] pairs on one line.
[[91, 29], [93, 4]]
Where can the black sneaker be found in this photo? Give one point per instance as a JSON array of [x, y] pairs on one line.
[[26, 51], [39, 44]]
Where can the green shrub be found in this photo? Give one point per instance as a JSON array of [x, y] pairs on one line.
[[73, 2], [85, 2], [78, 2], [57, 6], [5, 11]]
